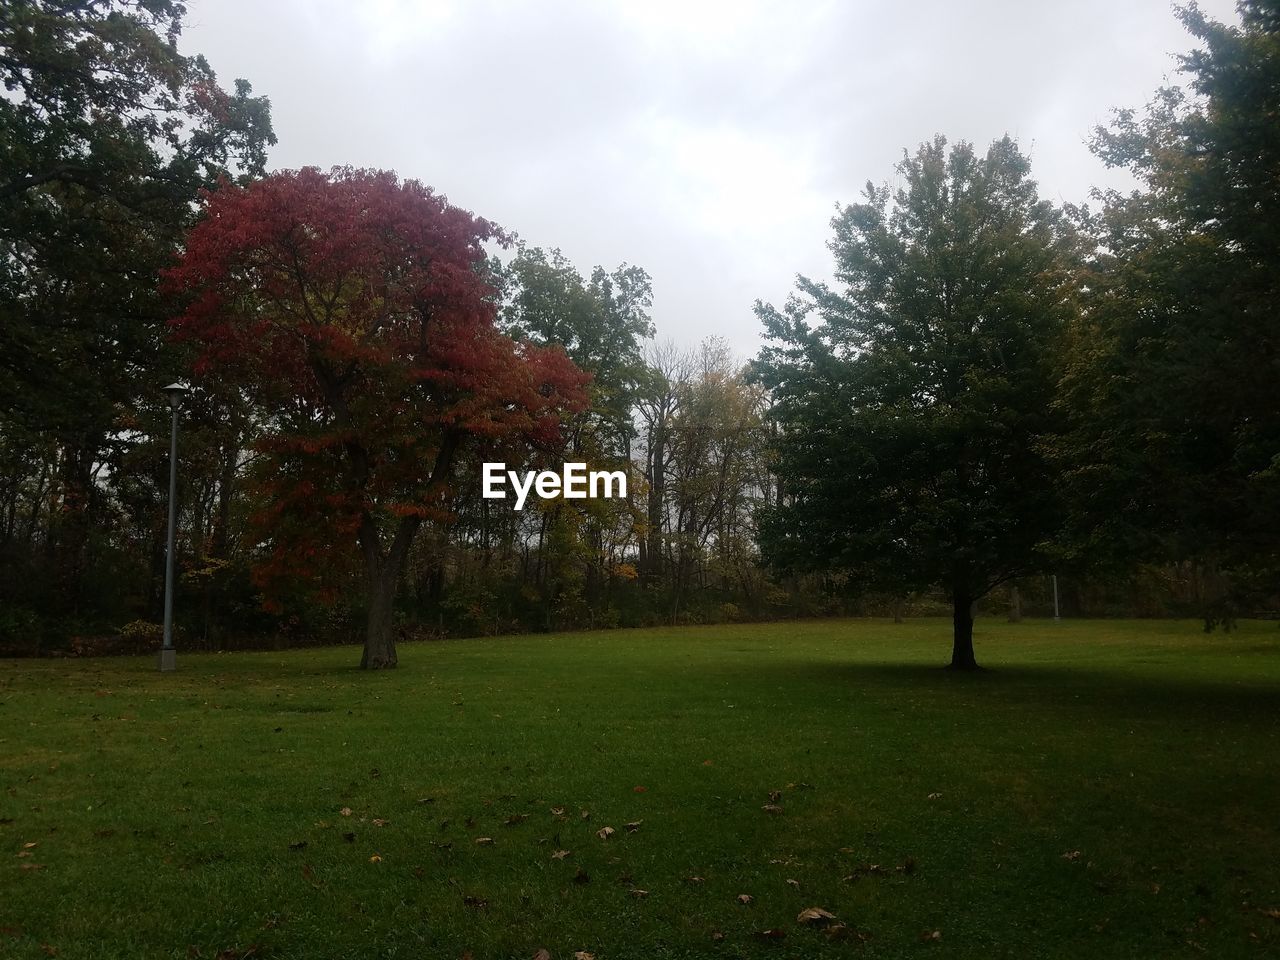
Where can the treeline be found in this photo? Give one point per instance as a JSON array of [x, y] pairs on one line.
[[993, 390]]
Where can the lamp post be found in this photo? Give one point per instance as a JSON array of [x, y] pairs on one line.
[[169, 656], [1056, 615]]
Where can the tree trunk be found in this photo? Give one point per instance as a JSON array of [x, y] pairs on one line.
[[1015, 604], [382, 575], [72, 526], [379, 640], [962, 657], [657, 485]]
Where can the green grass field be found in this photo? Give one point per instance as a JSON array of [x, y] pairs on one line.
[[1106, 789]]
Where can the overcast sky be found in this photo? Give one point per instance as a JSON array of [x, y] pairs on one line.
[[707, 141]]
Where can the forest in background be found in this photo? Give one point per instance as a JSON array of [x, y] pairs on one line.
[[1158, 432]]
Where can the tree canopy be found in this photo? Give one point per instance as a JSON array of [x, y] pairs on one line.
[[107, 133], [913, 397], [356, 312], [1173, 379]]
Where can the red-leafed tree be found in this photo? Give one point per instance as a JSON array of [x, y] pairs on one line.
[[355, 311]]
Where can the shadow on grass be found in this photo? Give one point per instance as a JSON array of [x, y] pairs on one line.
[[1049, 685]]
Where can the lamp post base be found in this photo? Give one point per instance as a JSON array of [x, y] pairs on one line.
[[168, 660]]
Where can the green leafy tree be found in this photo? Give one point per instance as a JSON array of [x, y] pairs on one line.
[[1174, 372], [601, 322], [107, 134], [913, 397]]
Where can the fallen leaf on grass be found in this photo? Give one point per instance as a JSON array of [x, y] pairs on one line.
[[638, 893], [775, 796], [1273, 914], [1071, 855], [380, 823], [935, 796], [745, 898], [815, 917], [929, 935], [515, 819], [426, 800], [543, 954], [634, 826], [586, 814], [557, 811], [771, 934], [793, 883], [484, 841], [771, 808], [345, 811], [604, 833], [49, 951], [695, 880], [561, 854], [639, 789], [31, 845], [866, 869], [583, 955], [376, 858], [33, 866]]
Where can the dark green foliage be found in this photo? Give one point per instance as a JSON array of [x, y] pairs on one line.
[[107, 133], [1174, 373], [601, 322], [915, 405]]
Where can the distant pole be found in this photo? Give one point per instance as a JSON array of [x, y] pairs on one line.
[[169, 656], [1056, 615]]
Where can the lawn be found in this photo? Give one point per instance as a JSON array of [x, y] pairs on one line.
[[1108, 789]]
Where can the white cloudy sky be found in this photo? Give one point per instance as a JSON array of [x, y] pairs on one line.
[[705, 140]]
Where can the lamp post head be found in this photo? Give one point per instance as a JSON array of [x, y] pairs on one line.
[[175, 392]]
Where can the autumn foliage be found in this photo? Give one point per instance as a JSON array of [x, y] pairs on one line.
[[354, 311]]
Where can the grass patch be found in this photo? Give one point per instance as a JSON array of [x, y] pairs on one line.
[[1108, 788]]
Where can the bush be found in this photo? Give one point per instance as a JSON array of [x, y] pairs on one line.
[[135, 637], [20, 630]]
